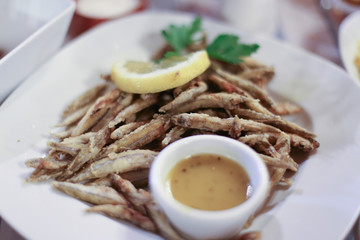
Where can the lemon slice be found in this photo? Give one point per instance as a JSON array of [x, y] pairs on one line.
[[148, 77]]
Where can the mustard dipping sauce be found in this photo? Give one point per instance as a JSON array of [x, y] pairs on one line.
[[357, 59], [208, 182]]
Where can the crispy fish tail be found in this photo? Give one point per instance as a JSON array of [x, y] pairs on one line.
[[125, 213]]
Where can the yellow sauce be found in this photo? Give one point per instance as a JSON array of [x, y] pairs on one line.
[[208, 182], [357, 59]]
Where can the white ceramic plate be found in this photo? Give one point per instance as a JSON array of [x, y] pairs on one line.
[[349, 38], [322, 204]]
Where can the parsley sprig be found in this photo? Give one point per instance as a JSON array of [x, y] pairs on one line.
[[179, 37], [225, 47]]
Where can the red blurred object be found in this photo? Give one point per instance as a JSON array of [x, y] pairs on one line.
[[338, 10], [2, 53], [354, 2], [82, 22]]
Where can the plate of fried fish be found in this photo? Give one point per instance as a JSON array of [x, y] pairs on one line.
[[76, 150], [349, 44]]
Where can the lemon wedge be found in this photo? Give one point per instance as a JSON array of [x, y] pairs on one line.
[[148, 77]]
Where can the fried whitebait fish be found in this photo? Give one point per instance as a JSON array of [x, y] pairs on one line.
[[108, 139]]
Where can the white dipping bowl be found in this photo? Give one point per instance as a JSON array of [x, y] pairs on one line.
[[202, 224], [349, 38]]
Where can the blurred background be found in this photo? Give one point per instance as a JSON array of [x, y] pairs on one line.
[[309, 24]]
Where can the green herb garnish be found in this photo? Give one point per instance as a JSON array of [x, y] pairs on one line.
[[179, 37], [225, 47]]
